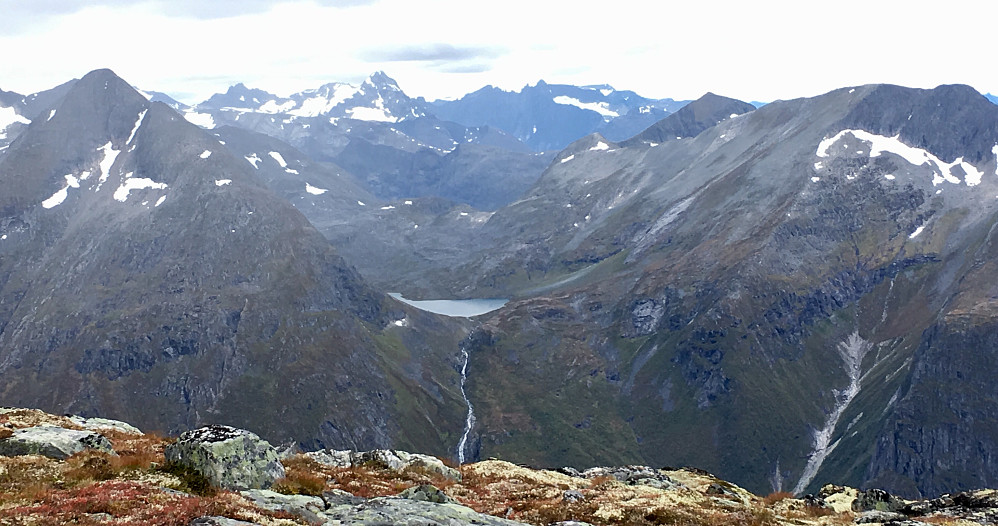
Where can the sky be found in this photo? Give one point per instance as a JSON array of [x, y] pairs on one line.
[[754, 50]]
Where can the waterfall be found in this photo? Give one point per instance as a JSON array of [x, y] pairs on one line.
[[469, 422]]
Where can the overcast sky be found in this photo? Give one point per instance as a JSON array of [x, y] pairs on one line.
[[751, 50]]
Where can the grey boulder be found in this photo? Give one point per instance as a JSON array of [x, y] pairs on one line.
[[229, 458], [877, 500], [426, 493]]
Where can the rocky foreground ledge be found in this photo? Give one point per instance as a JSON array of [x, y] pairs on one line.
[[73, 470]]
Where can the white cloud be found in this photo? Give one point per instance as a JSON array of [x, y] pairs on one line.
[[763, 50]]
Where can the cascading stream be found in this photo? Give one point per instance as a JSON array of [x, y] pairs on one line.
[[469, 422], [852, 351]]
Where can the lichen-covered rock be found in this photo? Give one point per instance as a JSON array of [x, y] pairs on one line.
[[426, 493], [338, 497], [633, 475], [877, 500], [837, 498], [229, 458], [53, 442], [385, 458], [332, 458], [572, 496]]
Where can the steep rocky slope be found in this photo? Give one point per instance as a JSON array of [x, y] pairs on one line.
[[146, 272], [796, 294], [401, 245]]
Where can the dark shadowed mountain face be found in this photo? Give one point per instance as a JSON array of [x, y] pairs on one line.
[[483, 177], [552, 116], [688, 121], [797, 295], [147, 273]]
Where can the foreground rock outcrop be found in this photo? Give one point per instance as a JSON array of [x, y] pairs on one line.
[[229, 458], [215, 476]]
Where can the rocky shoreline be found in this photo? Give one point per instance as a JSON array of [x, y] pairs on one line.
[[69, 469]]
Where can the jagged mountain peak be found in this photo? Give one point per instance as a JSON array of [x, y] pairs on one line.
[[378, 98], [381, 79]]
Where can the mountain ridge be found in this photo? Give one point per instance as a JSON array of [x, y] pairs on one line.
[[165, 272]]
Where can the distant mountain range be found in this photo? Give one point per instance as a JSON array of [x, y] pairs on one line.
[[552, 116]]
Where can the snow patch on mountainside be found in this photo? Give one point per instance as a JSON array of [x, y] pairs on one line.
[[320, 104], [602, 108], [254, 159], [203, 120], [879, 144], [107, 161], [600, 147], [377, 113], [314, 190], [271, 106], [136, 183], [279, 158], [138, 123], [57, 198], [9, 116]]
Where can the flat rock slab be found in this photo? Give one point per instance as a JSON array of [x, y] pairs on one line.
[[229, 458], [220, 521], [53, 442], [303, 506], [404, 512], [102, 424]]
